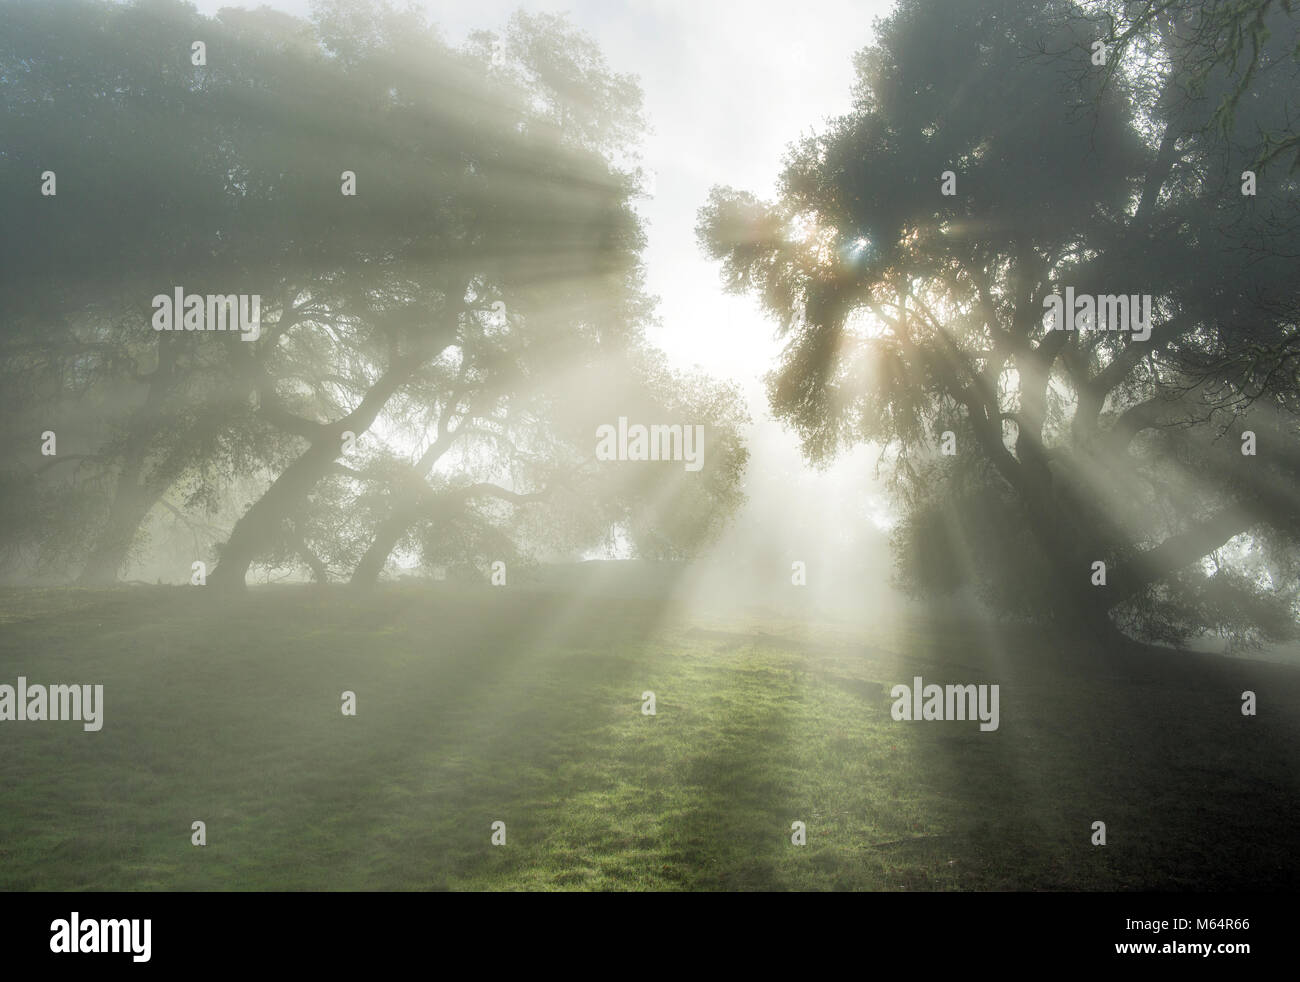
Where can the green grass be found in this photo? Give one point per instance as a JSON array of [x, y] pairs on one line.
[[524, 706]]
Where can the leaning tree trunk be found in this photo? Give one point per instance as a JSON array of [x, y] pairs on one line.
[[286, 497], [261, 522], [409, 502], [389, 532]]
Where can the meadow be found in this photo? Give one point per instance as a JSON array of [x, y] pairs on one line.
[[524, 705]]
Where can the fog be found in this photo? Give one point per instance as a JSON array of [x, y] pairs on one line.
[[657, 446]]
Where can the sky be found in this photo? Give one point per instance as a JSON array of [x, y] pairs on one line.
[[728, 86]]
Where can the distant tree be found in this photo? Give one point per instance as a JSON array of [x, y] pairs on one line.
[[147, 196], [483, 186], [525, 478], [488, 191]]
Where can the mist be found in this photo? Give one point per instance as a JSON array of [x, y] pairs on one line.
[[651, 448]]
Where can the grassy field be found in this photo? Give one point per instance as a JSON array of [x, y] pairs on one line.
[[524, 706]]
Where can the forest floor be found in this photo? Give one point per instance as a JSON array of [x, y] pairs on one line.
[[520, 706]]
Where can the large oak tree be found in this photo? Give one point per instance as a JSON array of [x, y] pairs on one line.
[[920, 312]]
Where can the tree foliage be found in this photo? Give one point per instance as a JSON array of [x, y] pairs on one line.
[[920, 313]]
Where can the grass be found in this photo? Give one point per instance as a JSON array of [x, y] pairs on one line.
[[524, 706]]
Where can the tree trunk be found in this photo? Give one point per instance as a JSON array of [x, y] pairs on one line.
[[261, 522], [132, 497], [408, 503], [390, 531], [131, 504], [289, 492]]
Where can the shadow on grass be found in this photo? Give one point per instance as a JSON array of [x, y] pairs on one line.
[[1194, 796]]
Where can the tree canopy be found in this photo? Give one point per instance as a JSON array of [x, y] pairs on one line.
[[991, 163], [445, 249]]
